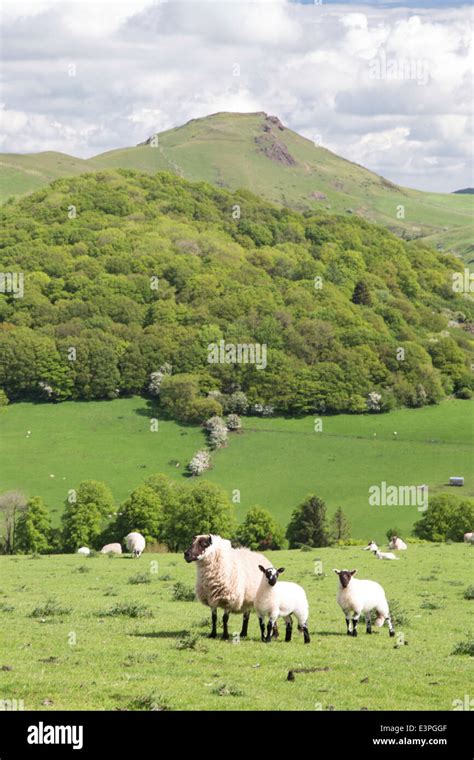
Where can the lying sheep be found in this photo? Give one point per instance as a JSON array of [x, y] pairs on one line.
[[397, 543], [384, 555], [135, 544], [84, 550], [371, 547], [468, 538], [357, 596], [111, 549], [280, 600], [227, 578]]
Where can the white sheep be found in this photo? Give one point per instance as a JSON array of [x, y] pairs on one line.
[[356, 596], [371, 546], [384, 555], [468, 538], [111, 549], [84, 550], [397, 543], [281, 599], [226, 578], [135, 544]]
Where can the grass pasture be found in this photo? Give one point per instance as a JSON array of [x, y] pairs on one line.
[[275, 462], [65, 645]]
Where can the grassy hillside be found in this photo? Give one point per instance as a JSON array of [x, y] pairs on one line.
[[275, 462], [22, 173], [256, 152], [90, 657], [153, 270]]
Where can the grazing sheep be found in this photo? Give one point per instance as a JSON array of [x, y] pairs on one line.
[[469, 538], [135, 544], [111, 549], [384, 555], [227, 578], [356, 596], [397, 543], [371, 546], [84, 550], [280, 600]]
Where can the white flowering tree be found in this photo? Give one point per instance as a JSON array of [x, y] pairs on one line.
[[200, 462], [156, 378], [374, 402], [234, 422]]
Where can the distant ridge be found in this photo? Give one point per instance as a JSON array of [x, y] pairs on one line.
[[258, 152]]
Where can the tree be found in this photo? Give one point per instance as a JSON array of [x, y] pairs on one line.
[[340, 529], [85, 513], [12, 505], [200, 462], [308, 524], [260, 531], [33, 532], [200, 508], [141, 512], [361, 294], [447, 518]]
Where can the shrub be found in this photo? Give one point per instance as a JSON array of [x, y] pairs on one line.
[[260, 531], [308, 524]]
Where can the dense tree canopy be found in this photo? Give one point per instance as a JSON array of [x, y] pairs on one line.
[[126, 272]]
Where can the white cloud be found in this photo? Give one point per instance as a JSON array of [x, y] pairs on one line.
[[143, 66]]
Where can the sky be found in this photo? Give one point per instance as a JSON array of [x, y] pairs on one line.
[[387, 84]]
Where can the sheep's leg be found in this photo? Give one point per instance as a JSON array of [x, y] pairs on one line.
[[225, 620], [307, 637], [262, 628], [390, 626], [275, 630], [213, 632], [368, 622], [270, 625], [289, 628], [348, 626], [245, 625], [355, 620]]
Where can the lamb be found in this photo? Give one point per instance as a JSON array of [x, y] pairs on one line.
[[362, 596], [371, 546], [384, 555], [111, 549], [227, 578], [280, 600], [84, 550], [135, 544], [397, 543], [468, 538]]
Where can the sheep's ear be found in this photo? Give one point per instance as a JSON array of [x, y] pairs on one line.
[[353, 572], [280, 570], [260, 567], [335, 571]]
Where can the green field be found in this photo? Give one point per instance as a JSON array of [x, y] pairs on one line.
[[228, 150], [274, 462], [86, 659]]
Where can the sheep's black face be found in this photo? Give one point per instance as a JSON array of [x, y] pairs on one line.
[[271, 574], [345, 576], [198, 548]]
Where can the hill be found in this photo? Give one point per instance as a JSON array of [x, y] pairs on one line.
[[125, 273], [275, 462], [22, 173], [257, 152]]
